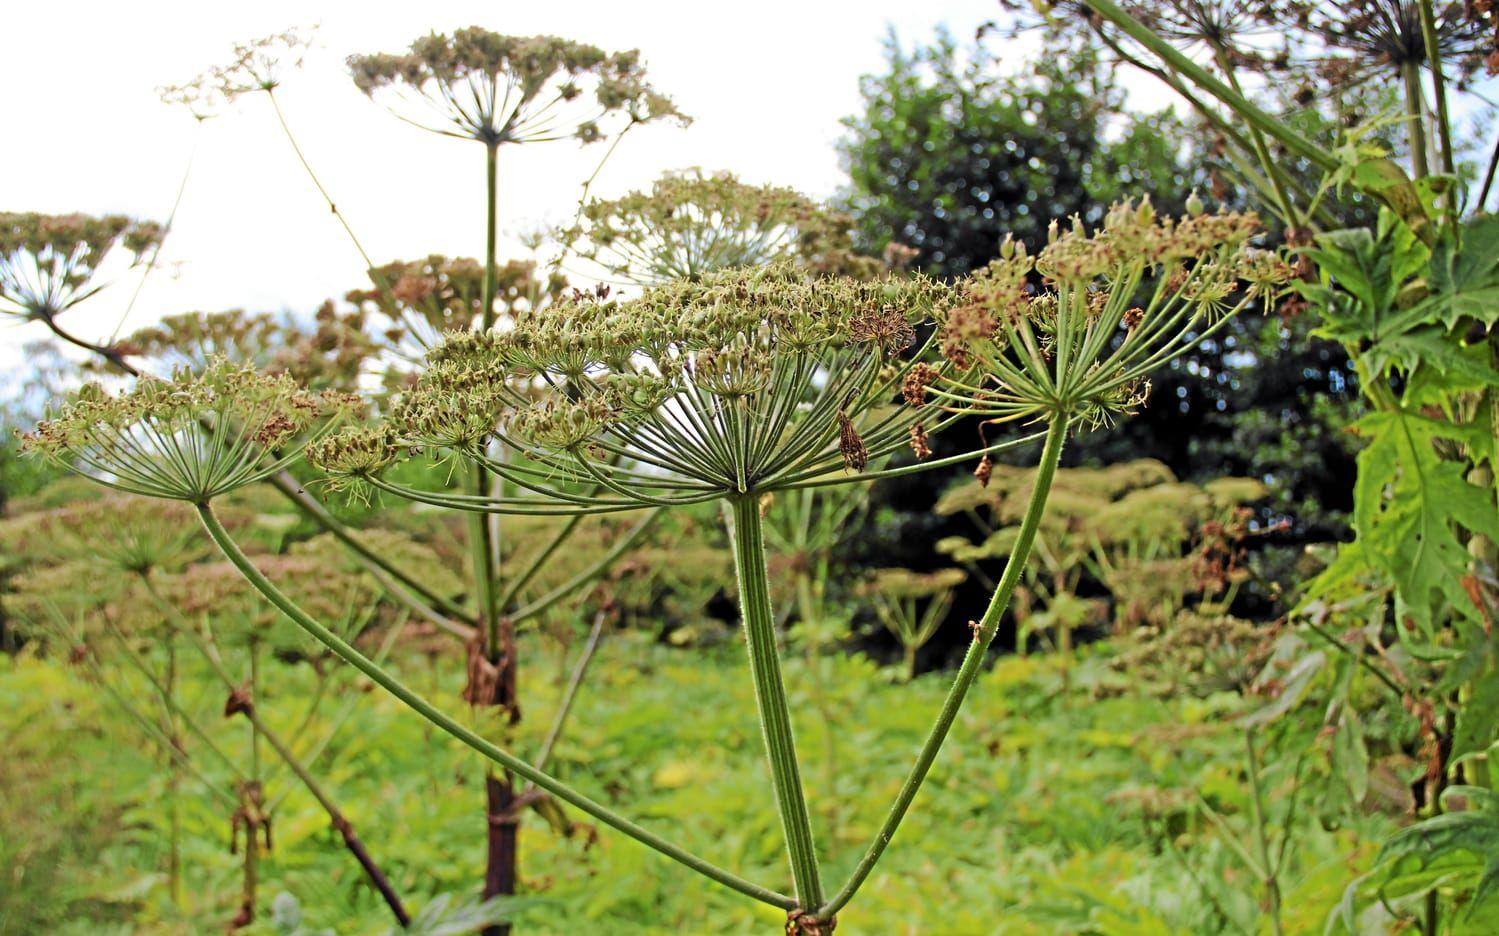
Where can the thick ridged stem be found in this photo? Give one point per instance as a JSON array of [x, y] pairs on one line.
[[1056, 435], [503, 825], [437, 717], [1415, 117], [770, 697]]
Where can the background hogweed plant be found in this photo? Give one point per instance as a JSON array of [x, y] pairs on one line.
[[497, 90]]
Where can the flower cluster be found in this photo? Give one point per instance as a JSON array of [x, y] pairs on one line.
[[329, 354], [1081, 346], [744, 380], [192, 437], [422, 299], [48, 261], [512, 89], [690, 223], [256, 65]]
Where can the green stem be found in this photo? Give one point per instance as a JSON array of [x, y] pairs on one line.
[[491, 180], [1051, 454], [169, 703], [1262, 838], [1488, 178], [1242, 106], [1415, 120], [535, 564], [1439, 98], [770, 697], [481, 558], [570, 694], [805, 603], [255, 774], [318, 184], [174, 784], [154, 732], [504, 758], [293, 491], [1261, 151], [569, 587]]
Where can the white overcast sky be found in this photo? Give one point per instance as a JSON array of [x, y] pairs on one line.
[[766, 81]]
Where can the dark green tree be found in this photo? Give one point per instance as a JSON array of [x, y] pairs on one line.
[[948, 155]]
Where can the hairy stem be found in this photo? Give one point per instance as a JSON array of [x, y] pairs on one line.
[[1051, 454], [770, 697], [500, 756], [1252, 114], [1439, 99]]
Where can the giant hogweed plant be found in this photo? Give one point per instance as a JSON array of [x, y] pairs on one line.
[[497, 90], [1412, 298], [49, 264], [741, 385]]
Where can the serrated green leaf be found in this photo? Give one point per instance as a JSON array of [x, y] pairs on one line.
[[1459, 367], [1458, 850], [1409, 506], [1465, 280], [1366, 277]]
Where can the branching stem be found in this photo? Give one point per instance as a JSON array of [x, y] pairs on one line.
[[1051, 454], [504, 758]]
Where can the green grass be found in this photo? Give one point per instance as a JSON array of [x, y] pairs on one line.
[[1057, 806]]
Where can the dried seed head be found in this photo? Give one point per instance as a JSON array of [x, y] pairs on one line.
[[984, 471], [913, 390], [919, 442], [855, 455]]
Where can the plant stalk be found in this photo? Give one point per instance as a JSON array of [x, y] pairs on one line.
[[770, 698], [987, 626], [1415, 118], [1268, 864], [427, 710]]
